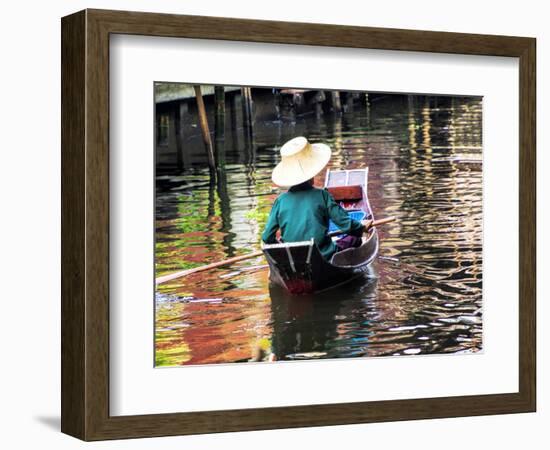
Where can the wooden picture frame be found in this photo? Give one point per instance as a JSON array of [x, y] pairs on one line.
[[85, 224]]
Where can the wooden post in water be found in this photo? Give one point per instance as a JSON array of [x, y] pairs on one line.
[[336, 104], [244, 105], [411, 104], [184, 119], [233, 107], [317, 101], [350, 100], [205, 131], [248, 119], [219, 129], [177, 128], [248, 108], [219, 96], [174, 138]]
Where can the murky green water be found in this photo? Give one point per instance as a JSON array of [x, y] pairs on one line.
[[423, 295]]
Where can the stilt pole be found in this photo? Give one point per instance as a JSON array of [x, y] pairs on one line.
[[219, 95], [248, 108], [336, 103], [205, 131], [179, 138]]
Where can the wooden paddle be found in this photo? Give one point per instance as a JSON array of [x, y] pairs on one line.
[[372, 224], [183, 273], [225, 262]]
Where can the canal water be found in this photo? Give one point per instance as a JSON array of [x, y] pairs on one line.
[[423, 294]]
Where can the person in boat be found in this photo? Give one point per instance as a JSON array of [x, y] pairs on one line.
[[303, 212]]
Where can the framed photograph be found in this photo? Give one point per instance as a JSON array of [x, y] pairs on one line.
[[271, 225]]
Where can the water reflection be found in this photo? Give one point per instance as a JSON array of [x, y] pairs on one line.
[[424, 295], [323, 325]]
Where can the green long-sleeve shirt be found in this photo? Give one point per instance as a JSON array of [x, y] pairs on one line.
[[303, 213]]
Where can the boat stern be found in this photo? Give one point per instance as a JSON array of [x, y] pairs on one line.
[[290, 265]]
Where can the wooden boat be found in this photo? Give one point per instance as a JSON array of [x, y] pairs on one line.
[[300, 268]]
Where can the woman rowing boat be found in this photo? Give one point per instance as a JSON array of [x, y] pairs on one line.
[[303, 212], [327, 237]]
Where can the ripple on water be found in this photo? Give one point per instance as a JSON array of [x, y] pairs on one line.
[[426, 298]]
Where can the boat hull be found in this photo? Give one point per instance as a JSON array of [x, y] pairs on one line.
[[301, 269]]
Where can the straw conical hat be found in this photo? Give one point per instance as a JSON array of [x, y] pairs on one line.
[[300, 161]]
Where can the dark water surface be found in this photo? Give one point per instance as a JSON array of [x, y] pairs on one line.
[[424, 292]]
